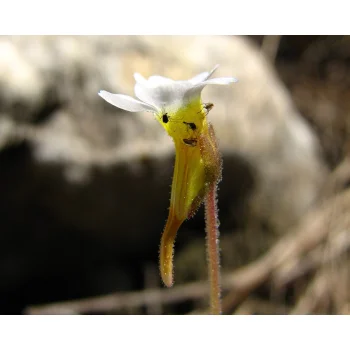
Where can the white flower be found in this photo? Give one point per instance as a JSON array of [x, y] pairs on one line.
[[159, 94]]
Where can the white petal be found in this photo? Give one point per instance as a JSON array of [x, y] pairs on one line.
[[126, 102], [203, 76], [221, 81], [140, 79], [199, 78], [144, 93], [158, 80], [213, 70], [152, 91], [160, 93], [153, 80], [197, 89], [163, 94]]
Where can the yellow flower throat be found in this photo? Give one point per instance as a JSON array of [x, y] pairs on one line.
[[197, 165]]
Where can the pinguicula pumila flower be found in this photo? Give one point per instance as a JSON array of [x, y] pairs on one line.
[[178, 107]]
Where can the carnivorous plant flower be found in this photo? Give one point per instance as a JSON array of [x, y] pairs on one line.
[[178, 107]]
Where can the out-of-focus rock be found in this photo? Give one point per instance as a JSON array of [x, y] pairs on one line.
[[85, 184]]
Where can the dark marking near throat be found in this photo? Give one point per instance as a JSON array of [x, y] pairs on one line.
[[208, 106], [191, 125], [165, 118], [190, 142]]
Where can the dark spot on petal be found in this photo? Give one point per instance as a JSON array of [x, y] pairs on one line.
[[165, 118], [190, 142]]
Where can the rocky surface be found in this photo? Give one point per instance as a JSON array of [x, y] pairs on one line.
[[85, 186]]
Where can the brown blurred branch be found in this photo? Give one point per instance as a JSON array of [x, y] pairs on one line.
[[258, 306], [317, 257], [338, 179], [242, 281], [328, 225], [316, 293]]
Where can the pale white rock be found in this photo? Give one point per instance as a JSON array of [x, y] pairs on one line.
[[261, 134]]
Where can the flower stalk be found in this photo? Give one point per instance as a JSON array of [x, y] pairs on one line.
[[212, 223], [213, 256]]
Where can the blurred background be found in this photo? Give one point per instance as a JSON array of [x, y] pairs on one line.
[[85, 187]]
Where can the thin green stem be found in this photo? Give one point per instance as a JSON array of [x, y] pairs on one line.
[[212, 230]]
